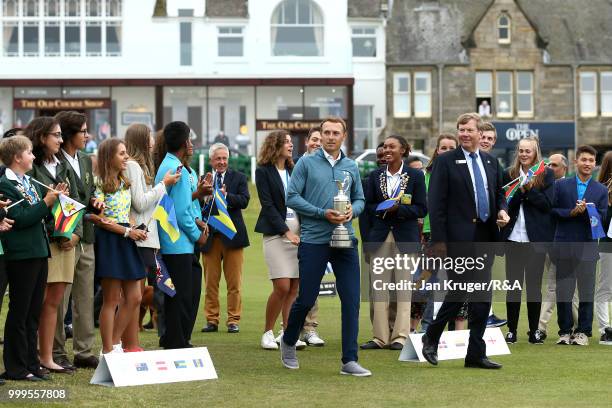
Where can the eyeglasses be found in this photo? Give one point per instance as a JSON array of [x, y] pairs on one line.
[[58, 135]]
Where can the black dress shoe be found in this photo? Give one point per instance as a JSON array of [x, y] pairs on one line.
[[396, 345], [33, 378], [430, 351], [370, 345], [483, 363], [233, 328], [64, 362], [210, 328], [42, 373], [86, 362]]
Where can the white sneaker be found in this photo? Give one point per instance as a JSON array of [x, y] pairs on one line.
[[300, 345], [564, 339], [580, 339], [268, 342], [312, 339]]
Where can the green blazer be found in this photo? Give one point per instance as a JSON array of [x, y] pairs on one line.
[[85, 188], [63, 175], [28, 237]]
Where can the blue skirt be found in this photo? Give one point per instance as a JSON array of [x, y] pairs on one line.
[[117, 257]]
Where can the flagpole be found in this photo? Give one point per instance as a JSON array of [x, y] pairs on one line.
[[512, 182], [46, 186], [211, 206], [14, 204]]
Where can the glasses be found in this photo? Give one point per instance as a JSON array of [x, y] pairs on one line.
[[58, 135]]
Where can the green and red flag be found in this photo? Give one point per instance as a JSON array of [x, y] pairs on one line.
[[67, 213], [511, 188]]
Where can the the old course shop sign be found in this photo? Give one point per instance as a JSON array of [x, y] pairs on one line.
[[62, 104], [273, 124]]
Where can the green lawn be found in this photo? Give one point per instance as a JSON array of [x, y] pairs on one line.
[[543, 376]]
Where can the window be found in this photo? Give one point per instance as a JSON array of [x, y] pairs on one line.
[[113, 39], [52, 39], [10, 8], [422, 94], [72, 39], [93, 8], [30, 8], [484, 93], [588, 94], [401, 95], [524, 93], [52, 8], [230, 42], [11, 39], [185, 37], [606, 93], [30, 39], [113, 8], [503, 29], [93, 39], [73, 8], [297, 29], [364, 42], [364, 127], [504, 94]]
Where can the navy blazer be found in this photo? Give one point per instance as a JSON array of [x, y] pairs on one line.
[[537, 207], [271, 192], [576, 230], [403, 223], [237, 200], [451, 203]]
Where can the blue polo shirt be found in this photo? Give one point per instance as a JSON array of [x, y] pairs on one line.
[[581, 186]]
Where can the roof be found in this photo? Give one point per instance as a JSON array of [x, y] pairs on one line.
[[227, 8], [364, 8], [421, 31]]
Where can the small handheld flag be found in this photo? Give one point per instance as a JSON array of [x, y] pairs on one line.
[[67, 213], [164, 282], [222, 222], [512, 187], [385, 205], [165, 214], [597, 231]]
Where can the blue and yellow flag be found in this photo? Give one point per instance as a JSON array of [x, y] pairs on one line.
[[165, 214], [222, 222]]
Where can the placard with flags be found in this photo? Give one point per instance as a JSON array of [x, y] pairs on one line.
[[67, 213], [597, 231], [165, 214], [222, 222]]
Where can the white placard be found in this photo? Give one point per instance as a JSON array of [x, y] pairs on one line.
[[154, 367], [453, 345]]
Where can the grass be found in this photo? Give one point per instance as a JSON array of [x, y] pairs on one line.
[[543, 376]]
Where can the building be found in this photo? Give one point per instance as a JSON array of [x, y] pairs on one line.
[[531, 67], [236, 67]]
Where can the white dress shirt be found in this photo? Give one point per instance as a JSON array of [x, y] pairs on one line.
[[74, 162], [330, 159], [482, 172], [393, 180], [52, 166], [519, 232]]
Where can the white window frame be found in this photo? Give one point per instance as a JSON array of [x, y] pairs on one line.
[[603, 93], [592, 93], [320, 26], [530, 113], [402, 94], [507, 26], [229, 35], [497, 93], [373, 36], [427, 92]]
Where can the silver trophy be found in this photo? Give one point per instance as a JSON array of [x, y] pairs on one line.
[[340, 235]]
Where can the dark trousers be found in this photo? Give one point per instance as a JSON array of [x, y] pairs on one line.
[[312, 260], [524, 265], [27, 281], [196, 269], [479, 302], [178, 310], [570, 272]]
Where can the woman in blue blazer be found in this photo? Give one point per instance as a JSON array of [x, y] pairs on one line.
[[530, 226], [394, 230]]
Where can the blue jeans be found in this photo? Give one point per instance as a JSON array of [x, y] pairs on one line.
[[312, 260], [573, 272]]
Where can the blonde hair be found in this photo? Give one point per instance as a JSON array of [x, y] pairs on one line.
[[137, 140], [13, 146], [515, 168], [109, 179]]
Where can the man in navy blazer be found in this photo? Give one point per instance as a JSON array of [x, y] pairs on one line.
[[466, 205], [575, 251]]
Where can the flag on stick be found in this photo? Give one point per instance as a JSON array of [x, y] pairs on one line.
[[597, 231], [165, 214], [67, 213], [222, 222], [164, 282]]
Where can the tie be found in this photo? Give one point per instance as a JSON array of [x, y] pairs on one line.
[[218, 181], [481, 193]]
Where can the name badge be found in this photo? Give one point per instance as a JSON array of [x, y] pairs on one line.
[[460, 161], [406, 199]]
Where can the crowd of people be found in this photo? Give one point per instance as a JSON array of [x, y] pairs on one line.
[[117, 248]]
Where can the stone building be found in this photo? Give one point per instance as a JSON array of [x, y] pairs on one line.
[[531, 67]]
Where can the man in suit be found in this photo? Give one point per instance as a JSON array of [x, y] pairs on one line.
[[220, 249], [575, 252], [74, 135], [465, 198]]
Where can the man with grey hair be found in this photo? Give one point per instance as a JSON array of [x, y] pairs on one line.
[[219, 248]]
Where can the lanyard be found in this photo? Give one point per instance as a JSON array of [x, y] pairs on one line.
[[395, 188]]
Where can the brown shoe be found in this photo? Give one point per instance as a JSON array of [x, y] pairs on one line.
[[64, 363], [86, 362]]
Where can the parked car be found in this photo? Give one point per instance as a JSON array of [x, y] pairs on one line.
[[366, 160]]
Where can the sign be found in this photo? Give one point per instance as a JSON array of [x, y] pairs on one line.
[[274, 124], [327, 289], [453, 345], [552, 135], [61, 104], [154, 367]]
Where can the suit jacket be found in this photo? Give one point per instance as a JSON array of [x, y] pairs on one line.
[[237, 200], [28, 238], [537, 206], [451, 203], [577, 230], [271, 192], [403, 223], [85, 187]]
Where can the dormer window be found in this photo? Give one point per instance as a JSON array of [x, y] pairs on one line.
[[503, 29]]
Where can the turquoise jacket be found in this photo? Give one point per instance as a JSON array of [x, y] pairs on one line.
[[312, 190], [186, 209]]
